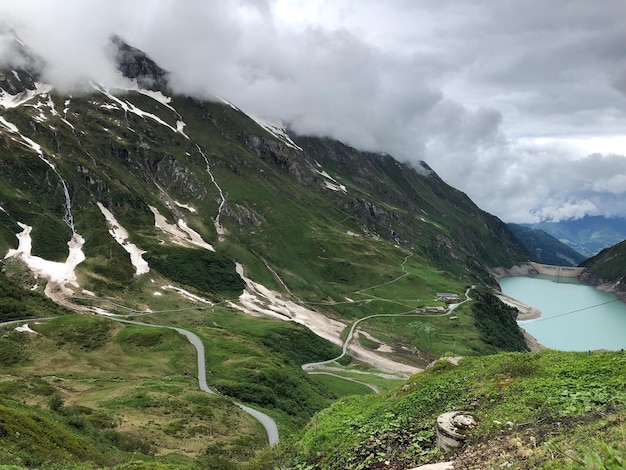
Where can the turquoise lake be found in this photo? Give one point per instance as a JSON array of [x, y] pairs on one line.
[[574, 316]]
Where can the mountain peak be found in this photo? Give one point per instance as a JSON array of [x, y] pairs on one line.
[[136, 65], [20, 67]]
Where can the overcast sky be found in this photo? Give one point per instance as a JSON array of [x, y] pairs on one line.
[[520, 104]]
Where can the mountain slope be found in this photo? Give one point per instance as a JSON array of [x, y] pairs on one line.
[[544, 248], [587, 235], [529, 411], [607, 270], [142, 155], [130, 200]]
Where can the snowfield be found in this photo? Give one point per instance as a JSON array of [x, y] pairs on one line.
[[120, 234], [59, 275], [181, 233]]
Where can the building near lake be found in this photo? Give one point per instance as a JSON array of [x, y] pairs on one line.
[[435, 309]]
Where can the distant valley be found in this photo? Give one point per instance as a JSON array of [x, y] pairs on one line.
[[587, 235]]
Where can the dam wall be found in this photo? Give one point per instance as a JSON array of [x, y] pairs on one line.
[[559, 271]]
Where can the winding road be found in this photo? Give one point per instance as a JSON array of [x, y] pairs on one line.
[[268, 423], [312, 366]]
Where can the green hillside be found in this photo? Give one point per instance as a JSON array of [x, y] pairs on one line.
[[551, 410], [91, 390], [544, 248], [608, 269]]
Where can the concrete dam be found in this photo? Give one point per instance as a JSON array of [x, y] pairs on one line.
[[558, 271]]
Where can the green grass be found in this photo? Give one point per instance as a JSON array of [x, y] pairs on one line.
[[257, 360], [537, 405], [342, 387], [120, 386]]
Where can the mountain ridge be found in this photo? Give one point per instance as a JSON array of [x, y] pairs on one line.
[[545, 248], [588, 235]]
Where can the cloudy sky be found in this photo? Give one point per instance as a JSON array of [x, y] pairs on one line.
[[520, 104]]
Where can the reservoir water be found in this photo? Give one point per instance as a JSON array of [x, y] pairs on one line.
[[574, 316]]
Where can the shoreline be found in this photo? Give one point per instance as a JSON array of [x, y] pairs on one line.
[[526, 312]]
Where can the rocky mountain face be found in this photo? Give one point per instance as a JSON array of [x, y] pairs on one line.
[[74, 167]]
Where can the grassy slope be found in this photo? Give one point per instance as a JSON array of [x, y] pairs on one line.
[[305, 237], [17, 303], [530, 408], [128, 388], [609, 263], [546, 249]]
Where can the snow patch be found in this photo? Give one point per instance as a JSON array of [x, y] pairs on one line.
[[335, 187], [185, 206], [108, 106], [326, 175], [186, 294], [12, 101], [259, 300], [12, 127], [277, 130], [59, 275], [155, 95], [53, 109], [129, 107], [25, 329], [120, 234], [219, 98], [181, 233], [101, 311], [164, 100]]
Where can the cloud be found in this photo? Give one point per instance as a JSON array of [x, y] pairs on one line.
[[72, 38], [497, 97]]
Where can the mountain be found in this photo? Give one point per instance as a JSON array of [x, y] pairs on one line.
[[544, 248], [132, 203], [607, 270], [75, 166], [587, 235]]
